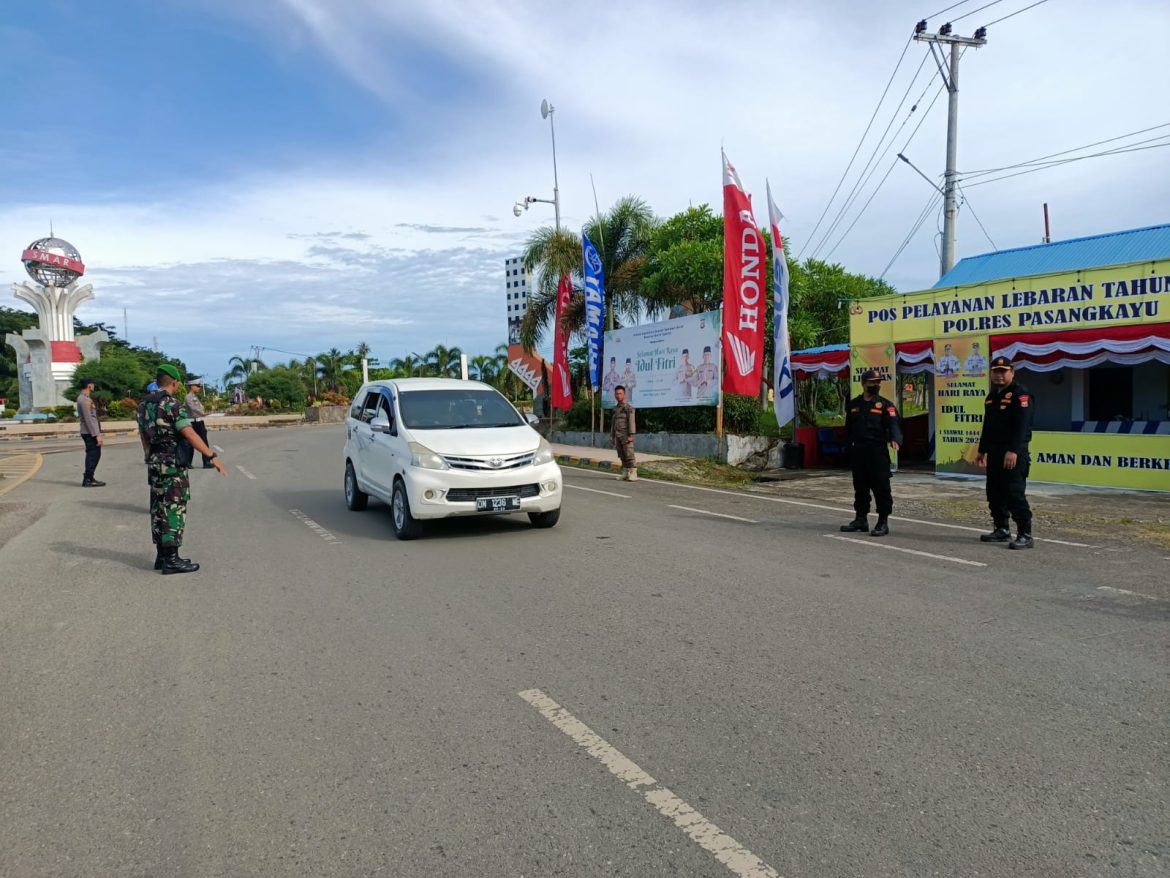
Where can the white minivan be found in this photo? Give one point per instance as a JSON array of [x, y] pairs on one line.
[[440, 447]]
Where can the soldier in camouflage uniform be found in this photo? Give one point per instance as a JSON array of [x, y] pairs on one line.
[[162, 419]]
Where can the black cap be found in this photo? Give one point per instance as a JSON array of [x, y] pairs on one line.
[[195, 379], [1001, 363], [871, 375]]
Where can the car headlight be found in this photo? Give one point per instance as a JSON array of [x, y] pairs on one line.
[[544, 453], [423, 457]]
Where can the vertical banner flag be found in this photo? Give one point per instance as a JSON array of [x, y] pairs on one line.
[[594, 308], [743, 289], [562, 396], [783, 390]]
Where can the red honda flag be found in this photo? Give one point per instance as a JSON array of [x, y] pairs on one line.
[[744, 285], [562, 395]]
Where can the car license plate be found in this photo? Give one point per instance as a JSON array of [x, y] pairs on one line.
[[497, 504]]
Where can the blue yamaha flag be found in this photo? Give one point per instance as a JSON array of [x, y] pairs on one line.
[[594, 308]]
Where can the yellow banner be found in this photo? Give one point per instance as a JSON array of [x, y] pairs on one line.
[[960, 389], [873, 356], [1118, 295], [1111, 460]]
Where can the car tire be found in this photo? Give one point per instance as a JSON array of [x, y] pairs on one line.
[[355, 498], [545, 519], [404, 524]]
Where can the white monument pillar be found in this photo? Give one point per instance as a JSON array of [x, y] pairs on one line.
[[49, 355]]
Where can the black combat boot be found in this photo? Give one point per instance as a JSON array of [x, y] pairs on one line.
[[1000, 535], [859, 524], [1022, 541], [158, 558], [91, 482], [882, 528], [172, 563]]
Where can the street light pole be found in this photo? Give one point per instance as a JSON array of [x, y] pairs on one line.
[[546, 112]]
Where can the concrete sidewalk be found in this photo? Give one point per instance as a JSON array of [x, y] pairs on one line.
[[18, 430], [600, 458]]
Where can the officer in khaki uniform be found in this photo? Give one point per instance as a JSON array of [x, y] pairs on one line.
[[621, 435], [195, 410], [91, 433], [706, 375], [871, 423]]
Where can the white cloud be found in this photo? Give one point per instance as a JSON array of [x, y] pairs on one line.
[[403, 247]]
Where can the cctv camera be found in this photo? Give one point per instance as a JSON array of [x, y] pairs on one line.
[[517, 209]]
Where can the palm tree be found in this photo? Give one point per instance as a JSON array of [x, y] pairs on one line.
[[239, 368], [443, 361], [405, 367], [622, 237], [484, 366], [330, 368]]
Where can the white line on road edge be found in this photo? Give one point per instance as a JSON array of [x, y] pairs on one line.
[[1135, 594], [217, 448], [245, 472], [907, 551], [708, 512], [314, 527], [598, 491], [738, 859], [850, 511]]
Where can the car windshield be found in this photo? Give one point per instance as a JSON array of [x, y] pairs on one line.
[[462, 409]]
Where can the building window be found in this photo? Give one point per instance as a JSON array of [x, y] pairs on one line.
[[1110, 393]]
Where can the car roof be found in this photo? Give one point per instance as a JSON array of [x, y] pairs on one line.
[[408, 384]]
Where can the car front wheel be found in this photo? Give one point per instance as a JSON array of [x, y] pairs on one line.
[[544, 519], [355, 498], [405, 525]]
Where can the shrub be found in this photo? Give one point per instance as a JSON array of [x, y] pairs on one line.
[[64, 413], [741, 414], [578, 417]]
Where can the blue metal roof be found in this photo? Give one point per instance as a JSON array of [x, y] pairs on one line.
[[1112, 248], [824, 349]]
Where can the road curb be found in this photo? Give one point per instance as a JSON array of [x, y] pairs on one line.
[[573, 460]]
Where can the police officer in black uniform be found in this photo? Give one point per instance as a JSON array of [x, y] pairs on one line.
[[871, 422], [1003, 450]]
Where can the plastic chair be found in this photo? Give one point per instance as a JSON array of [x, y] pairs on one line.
[[827, 443]]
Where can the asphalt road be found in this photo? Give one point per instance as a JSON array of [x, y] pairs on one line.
[[673, 681]]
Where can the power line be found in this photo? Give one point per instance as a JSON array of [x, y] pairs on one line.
[[973, 11], [862, 178], [948, 9], [864, 134], [1014, 14], [971, 207], [893, 164], [984, 171], [923, 214], [1032, 170]]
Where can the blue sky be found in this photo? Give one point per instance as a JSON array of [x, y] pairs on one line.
[[307, 174]]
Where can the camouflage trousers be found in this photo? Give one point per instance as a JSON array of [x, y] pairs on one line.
[[170, 490]]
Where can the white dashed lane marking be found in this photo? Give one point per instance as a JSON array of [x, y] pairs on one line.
[[875, 544], [245, 472], [598, 491], [716, 514], [738, 859], [314, 527]]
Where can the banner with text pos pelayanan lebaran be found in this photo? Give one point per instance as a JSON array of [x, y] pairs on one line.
[[675, 362], [960, 388], [744, 286]]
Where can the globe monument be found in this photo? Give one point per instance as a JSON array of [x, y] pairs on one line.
[[48, 356]]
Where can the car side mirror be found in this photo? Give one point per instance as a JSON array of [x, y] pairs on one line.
[[381, 424]]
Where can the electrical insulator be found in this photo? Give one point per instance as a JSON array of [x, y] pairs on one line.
[[945, 30]]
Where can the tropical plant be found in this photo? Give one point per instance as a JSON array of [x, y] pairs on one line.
[[282, 384], [239, 368], [622, 236], [331, 367], [684, 267], [442, 361], [484, 367]]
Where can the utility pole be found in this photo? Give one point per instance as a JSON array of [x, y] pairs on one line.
[[944, 37]]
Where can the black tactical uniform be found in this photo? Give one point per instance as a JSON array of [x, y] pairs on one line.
[[871, 423], [1007, 426]]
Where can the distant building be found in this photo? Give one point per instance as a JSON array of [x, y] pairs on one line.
[[517, 287]]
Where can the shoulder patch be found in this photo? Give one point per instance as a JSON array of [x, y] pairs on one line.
[[891, 411], [1024, 400]]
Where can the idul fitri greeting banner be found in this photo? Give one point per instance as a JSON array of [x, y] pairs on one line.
[[960, 388], [671, 363]]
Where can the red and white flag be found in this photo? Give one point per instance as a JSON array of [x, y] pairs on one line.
[[562, 394], [744, 285]]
